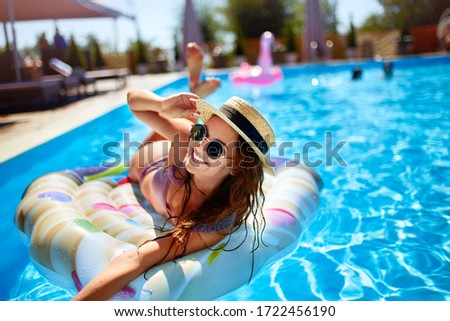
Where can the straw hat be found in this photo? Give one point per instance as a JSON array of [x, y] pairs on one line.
[[246, 120]]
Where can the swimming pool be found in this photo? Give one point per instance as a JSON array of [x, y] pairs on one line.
[[381, 147]]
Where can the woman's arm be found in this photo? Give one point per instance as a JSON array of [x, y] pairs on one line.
[[131, 264], [169, 117]]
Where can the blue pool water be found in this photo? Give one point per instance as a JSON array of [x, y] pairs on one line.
[[382, 231]]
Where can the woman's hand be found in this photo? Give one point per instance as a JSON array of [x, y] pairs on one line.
[[179, 106]]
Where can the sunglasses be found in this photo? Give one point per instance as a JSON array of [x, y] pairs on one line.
[[214, 148]]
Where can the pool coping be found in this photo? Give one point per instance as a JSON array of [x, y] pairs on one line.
[[24, 131]]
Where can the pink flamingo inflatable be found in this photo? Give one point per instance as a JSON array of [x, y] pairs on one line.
[[265, 72]]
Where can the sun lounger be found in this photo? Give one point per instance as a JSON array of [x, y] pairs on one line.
[[88, 78], [44, 90], [75, 75], [120, 75], [70, 84]]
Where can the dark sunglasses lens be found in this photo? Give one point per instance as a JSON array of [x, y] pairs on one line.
[[198, 132], [214, 149]]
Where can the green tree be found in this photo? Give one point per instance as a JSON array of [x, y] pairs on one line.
[[329, 16], [74, 56], [376, 22], [176, 48], [208, 22], [296, 11], [238, 49], [251, 18], [404, 14], [289, 38], [96, 53], [351, 36], [140, 49]]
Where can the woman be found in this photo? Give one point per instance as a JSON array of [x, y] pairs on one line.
[[206, 179]]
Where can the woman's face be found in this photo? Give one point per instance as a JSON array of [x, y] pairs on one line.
[[202, 158]]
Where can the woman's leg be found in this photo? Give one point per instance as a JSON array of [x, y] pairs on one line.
[[194, 60]]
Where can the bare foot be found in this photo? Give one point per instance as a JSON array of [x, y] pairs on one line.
[[206, 88], [194, 60]]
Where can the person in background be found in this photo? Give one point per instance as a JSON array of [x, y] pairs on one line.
[[59, 42], [387, 68], [42, 42], [357, 73]]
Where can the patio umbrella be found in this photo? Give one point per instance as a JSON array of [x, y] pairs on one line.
[[192, 32], [313, 40], [443, 29], [22, 10]]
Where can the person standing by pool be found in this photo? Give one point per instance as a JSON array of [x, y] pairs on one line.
[[207, 183], [59, 42], [42, 42]]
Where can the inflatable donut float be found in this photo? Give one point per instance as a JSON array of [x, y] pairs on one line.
[[75, 222]]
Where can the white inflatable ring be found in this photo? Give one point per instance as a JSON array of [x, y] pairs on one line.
[[75, 222]]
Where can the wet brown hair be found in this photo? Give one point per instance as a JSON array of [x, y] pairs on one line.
[[240, 195]]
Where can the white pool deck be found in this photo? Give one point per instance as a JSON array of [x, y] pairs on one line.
[[23, 131]]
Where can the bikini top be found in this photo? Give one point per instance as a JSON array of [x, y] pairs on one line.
[[160, 186]]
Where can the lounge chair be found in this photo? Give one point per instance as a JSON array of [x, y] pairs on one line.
[[68, 84], [120, 75], [73, 78], [90, 77], [44, 90]]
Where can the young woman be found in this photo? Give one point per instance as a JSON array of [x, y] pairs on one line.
[[205, 178]]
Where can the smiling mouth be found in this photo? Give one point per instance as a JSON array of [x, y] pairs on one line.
[[197, 159]]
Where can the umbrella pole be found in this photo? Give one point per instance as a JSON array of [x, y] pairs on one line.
[[116, 35], [6, 35], [192, 31], [14, 43]]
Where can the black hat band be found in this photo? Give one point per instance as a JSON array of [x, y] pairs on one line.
[[245, 126]]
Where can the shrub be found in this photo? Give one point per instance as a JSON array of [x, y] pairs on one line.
[[74, 57]]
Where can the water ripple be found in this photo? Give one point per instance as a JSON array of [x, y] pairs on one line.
[[32, 286]]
